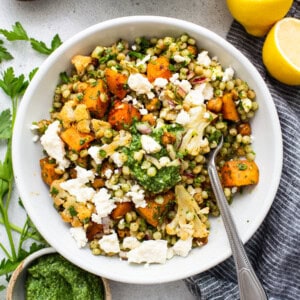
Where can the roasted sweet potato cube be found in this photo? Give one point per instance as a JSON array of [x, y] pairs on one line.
[[76, 140], [92, 230], [215, 105], [116, 83], [244, 129], [122, 115], [229, 110], [239, 173], [158, 68], [96, 99], [154, 209], [121, 209], [48, 170]]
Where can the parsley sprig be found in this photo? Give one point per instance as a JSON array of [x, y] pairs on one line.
[[18, 33], [4, 54], [14, 87]]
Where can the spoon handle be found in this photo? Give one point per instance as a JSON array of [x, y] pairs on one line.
[[249, 285]]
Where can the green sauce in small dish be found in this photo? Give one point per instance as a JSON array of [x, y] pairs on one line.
[[53, 277]]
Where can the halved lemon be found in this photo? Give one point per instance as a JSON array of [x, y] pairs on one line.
[[281, 51]]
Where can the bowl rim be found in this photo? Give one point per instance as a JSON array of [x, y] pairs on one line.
[[134, 20]]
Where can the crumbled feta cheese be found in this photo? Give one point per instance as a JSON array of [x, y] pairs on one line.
[[204, 210], [234, 190], [152, 251], [149, 144], [207, 91], [130, 242], [77, 188], [137, 196], [247, 104], [128, 98], [34, 127], [194, 97], [183, 118], [108, 173], [93, 151], [217, 73], [84, 175], [207, 115], [179, 59], [182, 248], [117, 159], [79, 236], [104, 205], [110, 243], [143, 61], [160, 82], [143, 111], [164, 161], [185, 85], [203, 59], [54, 146], [174, 78], [140, 84], [228, 74], [35, 138]]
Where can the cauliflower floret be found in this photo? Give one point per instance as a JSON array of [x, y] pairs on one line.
[[193, 142], [81, 62], [122, 139], [189, 220]]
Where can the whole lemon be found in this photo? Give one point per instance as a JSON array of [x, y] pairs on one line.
[[258, 16], [281, 51]]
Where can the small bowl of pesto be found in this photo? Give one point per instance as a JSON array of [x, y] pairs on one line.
[[47, 275]]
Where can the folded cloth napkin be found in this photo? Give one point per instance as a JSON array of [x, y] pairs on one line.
[[274, 250]]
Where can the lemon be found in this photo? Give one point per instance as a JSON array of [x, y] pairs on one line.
[[281, 51], [258, 16]]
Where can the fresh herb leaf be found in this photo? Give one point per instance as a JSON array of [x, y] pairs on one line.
[[56, 42], [242, 166], [5, 124], [40, 46], [144, 44], [32, 73], [17, 33], [8, 266], [11, 85], [136, 54], [64, 77], [106, 58], [4, 54]]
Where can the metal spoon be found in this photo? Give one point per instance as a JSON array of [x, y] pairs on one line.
[[250, 287]]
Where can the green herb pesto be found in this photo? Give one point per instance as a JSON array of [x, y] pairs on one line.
[[53, 277], [165, 178]]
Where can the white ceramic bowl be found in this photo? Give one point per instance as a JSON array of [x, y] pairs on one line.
[[249, 209], [16, 285]]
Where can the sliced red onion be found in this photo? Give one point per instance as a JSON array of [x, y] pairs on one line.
[[190, 175], [198, 80], [181, 92], [105, 223], [144, 128]]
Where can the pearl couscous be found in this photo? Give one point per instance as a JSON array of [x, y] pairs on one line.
[[127, 141]]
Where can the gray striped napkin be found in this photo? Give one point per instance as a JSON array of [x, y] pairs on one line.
[[274, 250]]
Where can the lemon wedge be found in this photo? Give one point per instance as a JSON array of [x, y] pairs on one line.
[[258, 16], [281, 51]]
